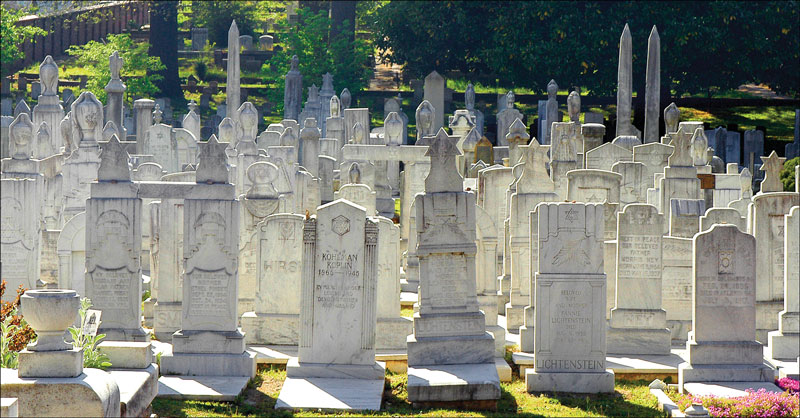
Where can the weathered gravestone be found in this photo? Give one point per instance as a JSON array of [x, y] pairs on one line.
[[722, 345], [570, 342], [338, 315], [276, 317], [209, 342], [450, 354], [113, 247], [785, 342], [638, 323]]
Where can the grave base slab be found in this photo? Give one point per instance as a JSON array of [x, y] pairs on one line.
[[137, 389], [66, 363], [391, 333], [472, 349], [127, 355], [783, 346], [526, 338], [138, 335], [209, 364], [92, 394], [454, 383], [688, 373], [515, 318], [295, 369], [728, 389], [204, 342], [330, 394], [570, 382], [409, 286], [201, 388], [167, 319], [267, 328], [638, 341]]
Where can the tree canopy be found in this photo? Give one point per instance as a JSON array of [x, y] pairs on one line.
[[705, 46]]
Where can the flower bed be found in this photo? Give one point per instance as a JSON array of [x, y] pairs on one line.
[[755, 404]]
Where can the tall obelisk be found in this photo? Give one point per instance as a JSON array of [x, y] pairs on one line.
[[652, 88], [624, 84]]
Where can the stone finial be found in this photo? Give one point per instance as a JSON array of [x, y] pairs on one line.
[[313, 93], [212, 162], [354, 174], [327, 82], [157, 114], [109, 130], [114, 165], [709, 156], [48, 73], [66, 127], [552, 89], [43, 134], [345, 96], [248, 118], [469, 97], [21, 108], [88, 114], [192, 106], [310, 130], [672, 116], [336, 107], [227, 131], [510, 99], [295, 64], [471, 140], [682, 155], [518, 133], [393, 128], [288, 137], [443, 175], [20, 133], [424, 117], [115, 65], [772, 173], [262, 176], [574, 106], [746, 182], [699, 145], [358, 134], [534, 178]]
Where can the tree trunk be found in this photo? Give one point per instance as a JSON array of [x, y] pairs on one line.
[[164, 44], [342, 11]]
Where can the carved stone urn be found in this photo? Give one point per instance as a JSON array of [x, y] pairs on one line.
[[50, 312]]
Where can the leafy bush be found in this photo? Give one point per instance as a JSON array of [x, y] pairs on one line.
[[217, 17], [200, 70], [787, 174], [12, 37], [318, 54], [92, 357], [16, 333], [578, 45], [94, 57]]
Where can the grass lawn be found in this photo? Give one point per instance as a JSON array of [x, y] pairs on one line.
[[631, 399]]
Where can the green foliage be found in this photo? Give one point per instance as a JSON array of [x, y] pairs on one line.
[[200, 70], [12, 37], [787, 174], [93, 56], [92, 357], [217, 17], [9, 357], [318, 54], [705, 47]]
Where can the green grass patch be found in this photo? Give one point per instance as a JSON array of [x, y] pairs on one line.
[[630, 399]]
